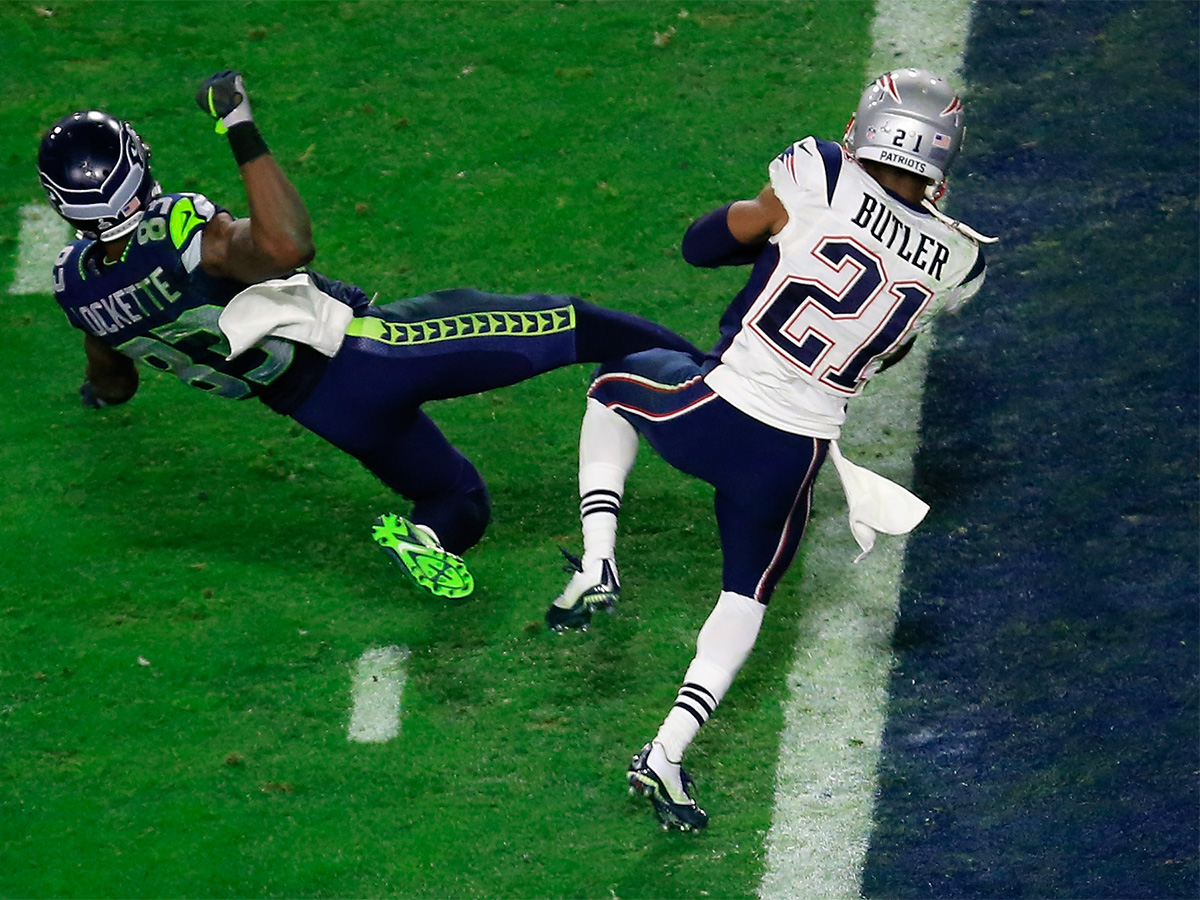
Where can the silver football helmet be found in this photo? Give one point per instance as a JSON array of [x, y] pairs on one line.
[[910, 119]]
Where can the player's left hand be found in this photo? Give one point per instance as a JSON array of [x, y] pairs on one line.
[[87, 394], [223, 96]]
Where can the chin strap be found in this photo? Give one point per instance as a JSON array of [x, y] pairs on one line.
[[957, 225], [934, 193]]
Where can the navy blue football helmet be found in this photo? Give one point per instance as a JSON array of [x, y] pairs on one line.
[[96, 172]]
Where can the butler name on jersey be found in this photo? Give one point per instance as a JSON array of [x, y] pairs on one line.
[[852, 277]]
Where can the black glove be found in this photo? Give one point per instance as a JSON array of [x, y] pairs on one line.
[[223, 96], [87, 394]]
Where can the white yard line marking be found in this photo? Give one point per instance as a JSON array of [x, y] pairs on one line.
[[834, 718], [43, 235], [378, 683]]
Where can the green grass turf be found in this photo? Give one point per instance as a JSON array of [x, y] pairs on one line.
[[187, 583]]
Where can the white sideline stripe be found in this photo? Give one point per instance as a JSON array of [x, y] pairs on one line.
[[378, 683], [838, 687], [43, 235]]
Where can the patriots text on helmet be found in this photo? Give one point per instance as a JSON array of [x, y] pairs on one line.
[[926, 253], [910, 119], [905, 162]]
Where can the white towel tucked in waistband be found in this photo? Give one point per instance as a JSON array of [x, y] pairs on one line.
[[876, 504], [292, 308]]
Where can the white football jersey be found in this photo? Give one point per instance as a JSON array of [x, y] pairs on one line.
[[855, 274]]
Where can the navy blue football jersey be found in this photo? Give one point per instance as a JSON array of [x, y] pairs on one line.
[[157, 306]]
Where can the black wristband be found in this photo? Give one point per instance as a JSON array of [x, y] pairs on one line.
[[246, 143]]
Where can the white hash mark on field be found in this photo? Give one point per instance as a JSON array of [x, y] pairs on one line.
[[43, 235], [838, 688], [378, 683]]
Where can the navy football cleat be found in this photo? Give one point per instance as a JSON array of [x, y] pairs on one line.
[[652, 775], [416, 552], [597, 587]]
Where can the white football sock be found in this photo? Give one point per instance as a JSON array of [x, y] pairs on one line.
[[608, 447], [723, 644]]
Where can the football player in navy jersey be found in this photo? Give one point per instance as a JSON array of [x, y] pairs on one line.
[[850, 261], [174, 281]]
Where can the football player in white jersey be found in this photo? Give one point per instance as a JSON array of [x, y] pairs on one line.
[[851, 260]]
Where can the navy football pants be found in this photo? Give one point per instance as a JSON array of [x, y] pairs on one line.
[[451, 344], [763, 477]]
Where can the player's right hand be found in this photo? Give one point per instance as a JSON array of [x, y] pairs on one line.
[[223, 96]]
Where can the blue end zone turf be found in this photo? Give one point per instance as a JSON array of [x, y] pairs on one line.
[[1042, 739]]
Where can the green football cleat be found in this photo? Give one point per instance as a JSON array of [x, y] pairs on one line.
[[436, 570]]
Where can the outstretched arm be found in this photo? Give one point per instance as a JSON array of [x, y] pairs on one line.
[[734, 234], [277, 236]]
